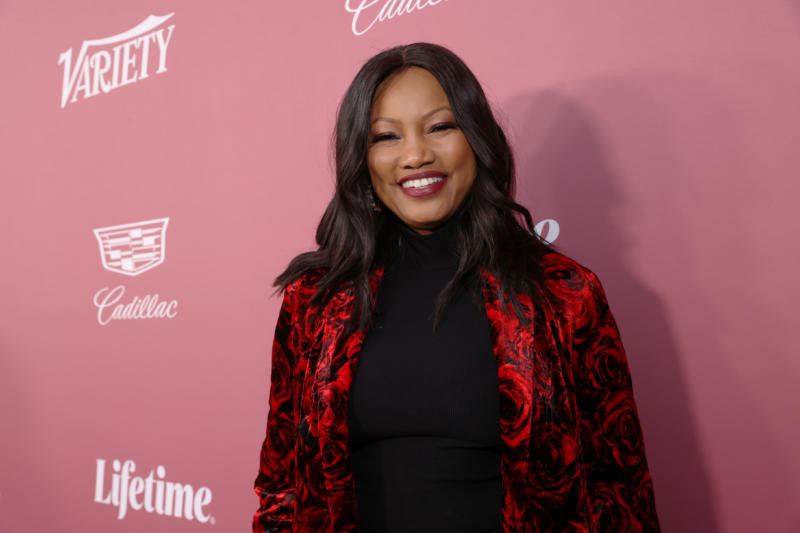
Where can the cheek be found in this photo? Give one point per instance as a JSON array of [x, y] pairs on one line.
[[459, 152], [378, 167], [378, 179], [464, 158]]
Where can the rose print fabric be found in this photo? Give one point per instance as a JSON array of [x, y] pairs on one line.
[[573, 455]]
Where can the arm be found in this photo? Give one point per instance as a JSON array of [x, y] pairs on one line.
[[619, 483], [275, 482]]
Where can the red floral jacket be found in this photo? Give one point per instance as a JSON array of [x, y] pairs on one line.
[[573, 454]]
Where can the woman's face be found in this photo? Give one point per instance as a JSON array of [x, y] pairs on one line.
[[420, 164]]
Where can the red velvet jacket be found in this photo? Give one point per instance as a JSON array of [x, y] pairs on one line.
[[573, 455]]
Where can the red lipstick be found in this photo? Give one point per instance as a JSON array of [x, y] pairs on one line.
[[434, 181]]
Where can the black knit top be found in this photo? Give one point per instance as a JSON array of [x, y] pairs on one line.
[[423, 413]]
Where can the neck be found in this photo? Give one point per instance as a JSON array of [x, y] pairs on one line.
[[438, 248]]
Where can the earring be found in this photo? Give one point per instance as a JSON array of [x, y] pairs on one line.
[[372, 202]]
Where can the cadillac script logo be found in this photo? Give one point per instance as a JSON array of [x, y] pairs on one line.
[[133, 248]]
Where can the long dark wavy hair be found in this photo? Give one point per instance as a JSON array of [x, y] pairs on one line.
[[493, 231]]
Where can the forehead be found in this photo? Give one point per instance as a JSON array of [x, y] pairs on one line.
[[409, 93]]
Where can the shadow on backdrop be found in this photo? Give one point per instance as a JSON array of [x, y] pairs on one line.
[[564, 173]]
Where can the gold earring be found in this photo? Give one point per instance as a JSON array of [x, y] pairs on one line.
[[372, 202]]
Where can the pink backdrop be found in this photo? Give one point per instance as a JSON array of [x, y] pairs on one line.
[[661, 136]]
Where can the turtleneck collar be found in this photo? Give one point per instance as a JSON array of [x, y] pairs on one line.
[[434, 250]]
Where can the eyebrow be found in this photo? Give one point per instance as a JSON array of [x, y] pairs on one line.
[[426, 115]]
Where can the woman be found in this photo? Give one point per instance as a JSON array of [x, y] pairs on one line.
[[436, 366]]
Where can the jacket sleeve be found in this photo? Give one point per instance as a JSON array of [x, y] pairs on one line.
[[620, 488], [274, 484]]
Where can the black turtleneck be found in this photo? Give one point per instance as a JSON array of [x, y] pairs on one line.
[[423, 413]]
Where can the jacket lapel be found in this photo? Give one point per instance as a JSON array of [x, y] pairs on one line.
[[334, 375], [514, 355], [539, 466]]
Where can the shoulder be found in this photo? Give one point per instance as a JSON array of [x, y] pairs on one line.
[[304, 286], [296, 307], [568, 281], [297, 297]]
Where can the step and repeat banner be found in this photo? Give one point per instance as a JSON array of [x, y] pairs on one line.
[[161, 162]]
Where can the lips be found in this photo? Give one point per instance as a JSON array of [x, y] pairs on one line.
[[423, 184]]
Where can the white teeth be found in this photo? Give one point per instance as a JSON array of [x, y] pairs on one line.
[[420, 182]]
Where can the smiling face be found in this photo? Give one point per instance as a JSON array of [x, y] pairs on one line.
[[420, 163]]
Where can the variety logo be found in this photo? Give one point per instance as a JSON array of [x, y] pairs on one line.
[[151, 493], [366, 13], [132, 249], [552, 227], [101, 67]]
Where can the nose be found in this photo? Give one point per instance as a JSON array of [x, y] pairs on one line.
[[415, 152]]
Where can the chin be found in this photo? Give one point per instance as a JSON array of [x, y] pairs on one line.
[[428, 214]]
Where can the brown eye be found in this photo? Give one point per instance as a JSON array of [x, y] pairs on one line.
[[444, 126], [382, 137]]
